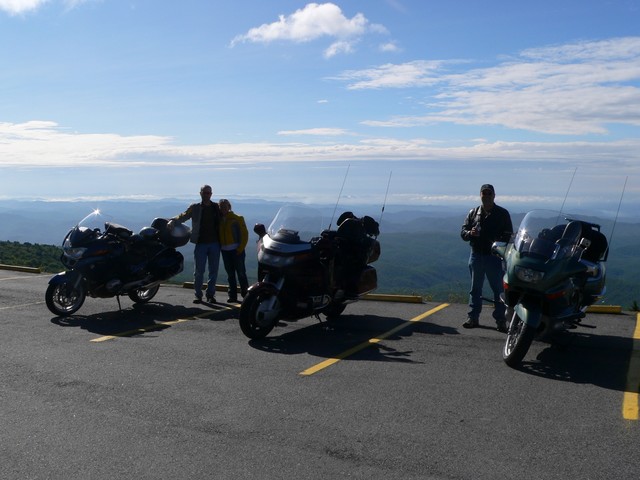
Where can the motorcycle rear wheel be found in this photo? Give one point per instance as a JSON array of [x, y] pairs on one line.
[[519, 339], [143, 295], [250, 323], [63, 299]]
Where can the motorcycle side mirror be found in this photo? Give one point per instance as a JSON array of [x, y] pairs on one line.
[[259, 230]]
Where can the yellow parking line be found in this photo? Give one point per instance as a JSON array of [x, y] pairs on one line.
[[25, 277], [630, 402], [363, 345], [156, 326], [21, 306]]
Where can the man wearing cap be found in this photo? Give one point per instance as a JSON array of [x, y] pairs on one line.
[[484, 225], [205, 224]]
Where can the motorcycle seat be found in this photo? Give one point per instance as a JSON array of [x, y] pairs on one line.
[[117, 230]]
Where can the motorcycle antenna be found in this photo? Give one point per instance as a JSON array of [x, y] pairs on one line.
[[385, 198], [339, 195], [624, 187], [566, 194]]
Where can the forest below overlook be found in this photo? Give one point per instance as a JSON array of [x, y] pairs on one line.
[[422, 252]]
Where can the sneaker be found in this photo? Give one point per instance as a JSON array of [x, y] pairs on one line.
[[211, 298], [197, 300], [471, 323], [232, 300], [501, 326]]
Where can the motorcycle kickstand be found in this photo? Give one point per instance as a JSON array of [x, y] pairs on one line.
[[119, 306], [323, 323]]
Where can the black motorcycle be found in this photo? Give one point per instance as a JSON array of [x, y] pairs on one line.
[[554, 270], [103, 260], [302, 274]]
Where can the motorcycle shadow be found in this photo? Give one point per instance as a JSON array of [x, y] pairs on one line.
[[584, 358], [329, 339], [133, 320]]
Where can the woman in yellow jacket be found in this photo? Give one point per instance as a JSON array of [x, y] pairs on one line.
[[233, 240]]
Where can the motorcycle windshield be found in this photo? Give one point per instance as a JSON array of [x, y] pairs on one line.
[[95, 220], [296, 223], [547, 234], [87, 228]]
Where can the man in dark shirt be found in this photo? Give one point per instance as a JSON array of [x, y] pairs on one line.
[[205, 221], [484, 225]]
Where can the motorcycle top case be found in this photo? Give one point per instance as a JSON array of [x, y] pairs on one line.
[[178, 236]]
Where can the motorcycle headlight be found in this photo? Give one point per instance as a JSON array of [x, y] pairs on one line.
[[274, 260], [528, 275], [74, 253]]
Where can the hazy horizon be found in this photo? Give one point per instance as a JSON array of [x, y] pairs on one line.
[[279, 99]]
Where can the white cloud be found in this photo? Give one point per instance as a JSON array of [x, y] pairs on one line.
[[317, 131], [389, 47], [337, 48], [419, 73], [45, 144], [17, 7], [313, 22], [573, 89]]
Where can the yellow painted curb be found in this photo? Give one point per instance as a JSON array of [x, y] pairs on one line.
[[604, 309], [380, 297], [370, 296], [393, 298], [16, 268]]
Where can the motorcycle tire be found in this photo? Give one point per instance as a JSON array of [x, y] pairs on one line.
[[143, 295], [519, 339], [63, 299], [251, 325]]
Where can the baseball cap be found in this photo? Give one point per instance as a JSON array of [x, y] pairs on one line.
[[487, 186]]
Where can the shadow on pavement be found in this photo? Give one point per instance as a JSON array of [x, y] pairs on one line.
[[145, 317], [579, 357], [330, 339]]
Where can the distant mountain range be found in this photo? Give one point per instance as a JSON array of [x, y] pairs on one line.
[[422, 252]]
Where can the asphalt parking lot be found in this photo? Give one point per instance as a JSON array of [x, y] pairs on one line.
[[173, 389]]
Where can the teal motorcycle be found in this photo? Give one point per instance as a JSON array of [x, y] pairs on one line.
[[554, 270]]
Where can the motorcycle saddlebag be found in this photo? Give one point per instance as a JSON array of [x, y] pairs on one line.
[[368, 280], [374, 251], [166, 264]]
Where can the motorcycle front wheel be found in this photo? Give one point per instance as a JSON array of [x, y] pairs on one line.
[[519, 339], [143, 295], [63, 299], [253, 321]]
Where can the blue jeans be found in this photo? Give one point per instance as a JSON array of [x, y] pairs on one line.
[[490, 266], [234, 265], [206, 253]]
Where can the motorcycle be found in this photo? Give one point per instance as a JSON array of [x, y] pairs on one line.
[[301, 274], [103, 260], [554, 270]]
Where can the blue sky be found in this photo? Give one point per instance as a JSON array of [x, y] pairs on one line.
[[278, 99]]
